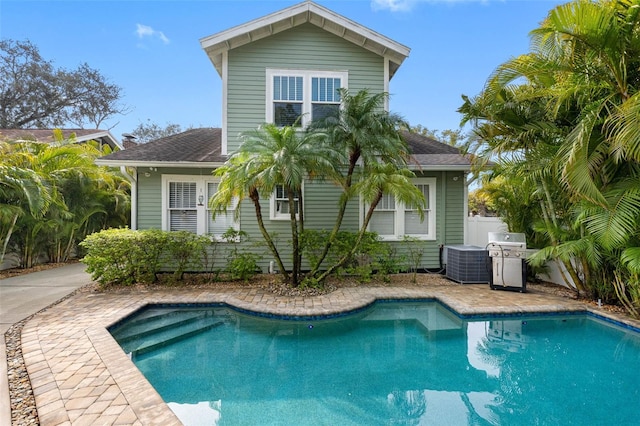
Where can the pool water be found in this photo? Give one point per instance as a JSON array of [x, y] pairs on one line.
[[408, 363]]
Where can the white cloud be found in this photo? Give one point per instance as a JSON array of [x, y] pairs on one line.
[[146, 31], [393, 5], [407, 5]]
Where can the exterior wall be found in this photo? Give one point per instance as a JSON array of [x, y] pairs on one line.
[[150, 193], [449, 218], [303, 47], [149, 200], [320, 211], [306, 47]]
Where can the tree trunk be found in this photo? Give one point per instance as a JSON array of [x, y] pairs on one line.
[[341, 211], [295, 247], [356, 245], [5, 243], [255, 197]]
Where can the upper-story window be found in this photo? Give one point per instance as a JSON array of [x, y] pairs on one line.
[[287, 100], [296, 97]]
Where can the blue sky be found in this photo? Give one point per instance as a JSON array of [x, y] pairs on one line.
[[151, 48]]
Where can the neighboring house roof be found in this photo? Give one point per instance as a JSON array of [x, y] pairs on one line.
[[202, 148], [307, 12], [192, 148], [46, 135]]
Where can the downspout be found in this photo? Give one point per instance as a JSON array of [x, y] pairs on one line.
[[443, 201], [134, 194]]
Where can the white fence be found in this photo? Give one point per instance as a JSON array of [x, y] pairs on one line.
[[478, 228]]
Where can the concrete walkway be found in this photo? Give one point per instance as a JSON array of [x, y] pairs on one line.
[[23, 296]]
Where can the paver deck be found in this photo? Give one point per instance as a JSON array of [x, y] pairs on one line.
[[80, 376]]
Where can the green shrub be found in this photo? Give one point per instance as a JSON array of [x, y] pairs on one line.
[[111, 256], [241, 263], [373, 256], [415, 252], [123, 256], [186, 251]]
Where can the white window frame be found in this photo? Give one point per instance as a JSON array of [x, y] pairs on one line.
[[274, 214], [306, 75], [201, 210], [429, 214]]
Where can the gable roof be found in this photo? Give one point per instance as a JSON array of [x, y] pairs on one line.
[[307, 12], [46, 135], [192, 148], [202, 148]]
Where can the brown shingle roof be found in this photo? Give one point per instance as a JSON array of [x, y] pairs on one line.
[[428, 152], [204, 146], [194, 146]]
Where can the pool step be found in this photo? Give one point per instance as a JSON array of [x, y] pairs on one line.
[[168, 335], [154, 324]]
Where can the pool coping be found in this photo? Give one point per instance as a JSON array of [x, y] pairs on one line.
[[80, 375]]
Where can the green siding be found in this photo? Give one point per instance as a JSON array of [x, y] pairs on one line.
[[320, 213], [449, 218], [150, 194], [149, 200], [303, 47], [306, 47]]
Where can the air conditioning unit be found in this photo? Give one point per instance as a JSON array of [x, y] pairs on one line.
[[468, 264]]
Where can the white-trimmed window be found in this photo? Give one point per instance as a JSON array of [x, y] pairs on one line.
[[182, 210], [224, 220], [185, 202], [280, 204], [393, 220], [300, 96]]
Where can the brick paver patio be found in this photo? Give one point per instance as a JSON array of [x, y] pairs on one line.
[[80, 376]]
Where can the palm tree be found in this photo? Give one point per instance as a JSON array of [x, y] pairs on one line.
[[376, 180], [361, 150], [269, 157], [22, 192], [582, 77], [366, 135], [55, 194]]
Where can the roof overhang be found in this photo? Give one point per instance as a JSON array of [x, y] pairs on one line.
[[112, 141], [440, 168], [155, 164], [307, 12]]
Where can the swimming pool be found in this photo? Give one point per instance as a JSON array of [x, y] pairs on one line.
[[392, 363]]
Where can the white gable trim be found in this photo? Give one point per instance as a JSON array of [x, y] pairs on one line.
[[301, 13]]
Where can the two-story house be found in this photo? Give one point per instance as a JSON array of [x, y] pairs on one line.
[[274, 69]]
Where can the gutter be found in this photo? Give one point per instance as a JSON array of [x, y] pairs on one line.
[[164, 164]]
